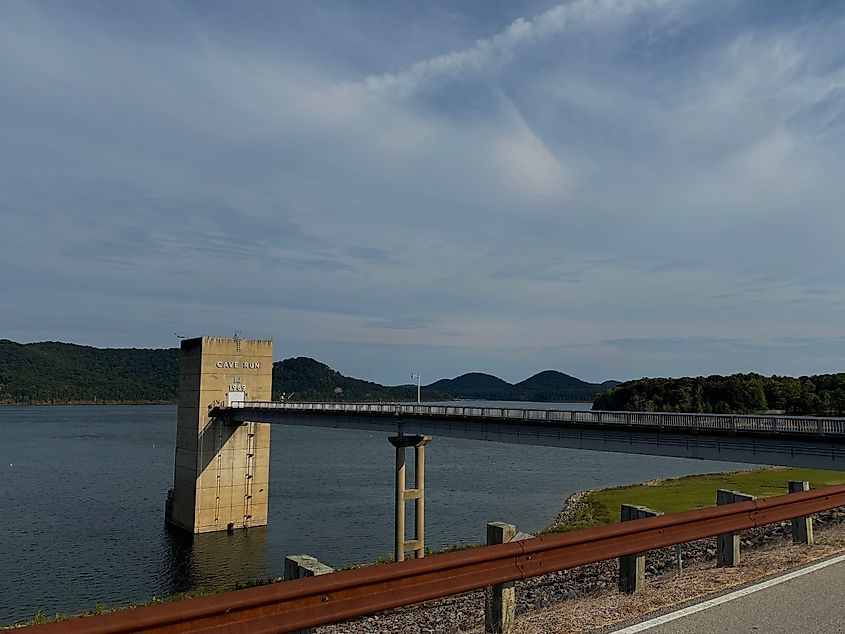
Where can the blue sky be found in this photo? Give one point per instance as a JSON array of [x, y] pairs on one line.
[[609, 188]]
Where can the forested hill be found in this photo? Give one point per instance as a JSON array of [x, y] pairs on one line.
[[52, 372], [820, 395], [308, 380], [57, 373], [548, 386]]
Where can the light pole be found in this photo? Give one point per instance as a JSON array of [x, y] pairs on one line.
[[417, 377]]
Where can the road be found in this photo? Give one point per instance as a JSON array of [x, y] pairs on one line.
[[808, 600]]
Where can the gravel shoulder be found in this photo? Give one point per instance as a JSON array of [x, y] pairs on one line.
[[585, 599]]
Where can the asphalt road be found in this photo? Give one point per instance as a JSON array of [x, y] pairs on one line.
[[813, 603]]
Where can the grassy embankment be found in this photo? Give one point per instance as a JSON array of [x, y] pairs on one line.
[[691, 492]]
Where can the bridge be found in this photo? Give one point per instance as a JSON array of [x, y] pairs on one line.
[[222, 465], [792, 441]]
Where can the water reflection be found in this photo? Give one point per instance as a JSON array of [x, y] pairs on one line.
[[201, 561]]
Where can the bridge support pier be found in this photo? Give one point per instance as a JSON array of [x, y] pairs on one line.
[[417, 545], [222, 470]]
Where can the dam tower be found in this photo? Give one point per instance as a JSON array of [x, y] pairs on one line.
[[222, 470]]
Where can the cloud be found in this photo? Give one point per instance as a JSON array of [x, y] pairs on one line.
[[400, 323], [504, 45], [602, 171]]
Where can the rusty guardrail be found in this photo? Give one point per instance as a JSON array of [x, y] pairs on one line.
[[314, 601]]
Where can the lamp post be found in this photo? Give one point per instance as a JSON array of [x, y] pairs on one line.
[[417, 377]]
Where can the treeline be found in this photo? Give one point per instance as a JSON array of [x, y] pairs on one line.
[[820, 395], [54, 373], [62, 373]]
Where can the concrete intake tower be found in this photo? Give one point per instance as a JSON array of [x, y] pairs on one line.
[[222, 470]]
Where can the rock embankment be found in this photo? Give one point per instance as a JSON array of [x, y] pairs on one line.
[[548, 603]]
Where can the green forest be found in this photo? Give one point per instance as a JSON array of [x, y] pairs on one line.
[[820, 395], [62, 373], [304, 379], [54, 373]]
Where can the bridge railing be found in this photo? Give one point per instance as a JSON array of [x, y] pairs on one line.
[[313, 601], [721, 422]]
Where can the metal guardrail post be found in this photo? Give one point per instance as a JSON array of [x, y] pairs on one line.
[[500, 601], [727, 544], [301, 566], [632, 567], [802, 527]]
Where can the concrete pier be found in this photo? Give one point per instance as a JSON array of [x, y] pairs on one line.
[[222, 471], [403, 494]]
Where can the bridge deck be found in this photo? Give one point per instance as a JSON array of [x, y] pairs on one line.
[[720, 422], [776, 440]]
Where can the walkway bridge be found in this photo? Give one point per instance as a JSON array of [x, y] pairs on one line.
[[812, 442], [222, 463]]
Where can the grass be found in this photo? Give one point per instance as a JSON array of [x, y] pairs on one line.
[[691, 492]]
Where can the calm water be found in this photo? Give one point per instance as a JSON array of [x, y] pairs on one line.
[[82, 494]]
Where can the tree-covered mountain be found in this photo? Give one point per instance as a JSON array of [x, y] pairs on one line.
[[55, 373], [475, 385], [549, 385], [820, 395], [305, 379]]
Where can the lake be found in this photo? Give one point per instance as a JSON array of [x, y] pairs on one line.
[[83, 488]]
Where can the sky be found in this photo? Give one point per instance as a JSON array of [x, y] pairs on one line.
[[612, 189]]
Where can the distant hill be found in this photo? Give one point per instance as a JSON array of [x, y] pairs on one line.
[[310, 380], [475, 385], [53, 372], [62, 373], [549, 386]]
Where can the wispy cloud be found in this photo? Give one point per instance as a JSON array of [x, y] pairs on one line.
[[400, 323], [504, 45], [625, 187]]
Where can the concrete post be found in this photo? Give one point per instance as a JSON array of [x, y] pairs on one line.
[[300, 566], [727, 544], [802, 527], [419, 503], [417, 545], [500, 602], [399, 523], [632, 567]]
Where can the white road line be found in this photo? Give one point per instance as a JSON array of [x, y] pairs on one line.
[[698, 607]]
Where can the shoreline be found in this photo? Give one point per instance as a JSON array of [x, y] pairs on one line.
[[454, 614], [558, 597]]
